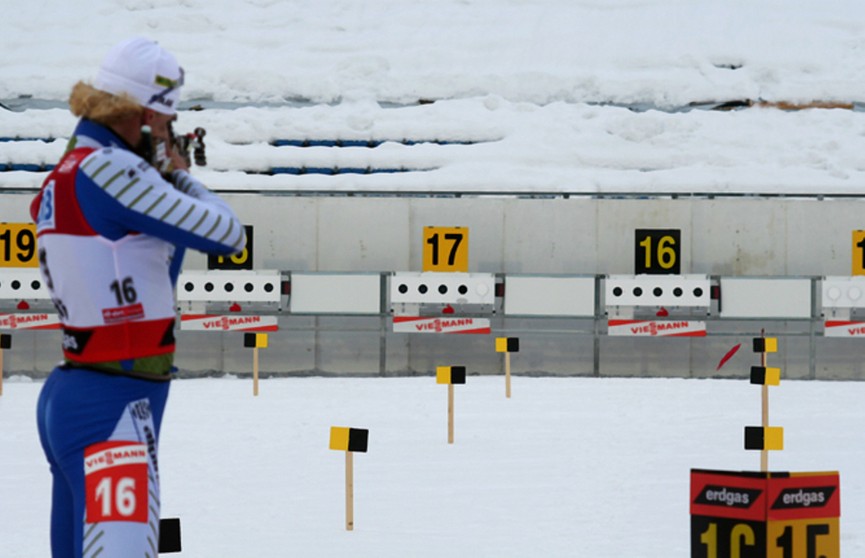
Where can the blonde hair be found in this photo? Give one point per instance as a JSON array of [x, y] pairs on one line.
[[104, 108]]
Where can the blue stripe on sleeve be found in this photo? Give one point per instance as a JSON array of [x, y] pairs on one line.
[[113, 220]]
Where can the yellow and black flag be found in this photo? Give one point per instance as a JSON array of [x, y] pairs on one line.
[[255, 340], [759, 438], [768, 376], [451, 375], [507, 344], [765, 345], [349, 439]]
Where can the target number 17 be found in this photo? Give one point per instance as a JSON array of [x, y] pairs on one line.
[[446, 249]]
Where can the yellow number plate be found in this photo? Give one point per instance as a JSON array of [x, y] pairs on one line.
[[858, 253], [18, 245], [446, 249]]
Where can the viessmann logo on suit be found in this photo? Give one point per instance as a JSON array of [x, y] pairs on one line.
[[115, 455]]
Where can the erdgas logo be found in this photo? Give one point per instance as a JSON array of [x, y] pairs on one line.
[[728, 496], [812, 496]]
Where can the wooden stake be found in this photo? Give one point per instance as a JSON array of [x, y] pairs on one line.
[[764, 454], [508, 375], [255, 371], [349, 491], [450, 413]]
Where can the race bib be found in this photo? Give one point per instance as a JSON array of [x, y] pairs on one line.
[[115, 482]]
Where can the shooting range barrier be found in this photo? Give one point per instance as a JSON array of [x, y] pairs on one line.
[[550, 256], [365, 323]]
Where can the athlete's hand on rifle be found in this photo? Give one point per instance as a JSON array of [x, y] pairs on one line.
[[168, 151], [174, 151], [158, 145]]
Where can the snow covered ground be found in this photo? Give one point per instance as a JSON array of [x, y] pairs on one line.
[[566, 467]]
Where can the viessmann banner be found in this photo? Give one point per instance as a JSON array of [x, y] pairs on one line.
[[416, 324], [215, 322], [656, 328], [29, 321]]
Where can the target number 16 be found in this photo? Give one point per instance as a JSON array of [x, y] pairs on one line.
[[658, 251]]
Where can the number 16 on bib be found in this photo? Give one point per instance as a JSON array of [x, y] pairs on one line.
[[115, 482]]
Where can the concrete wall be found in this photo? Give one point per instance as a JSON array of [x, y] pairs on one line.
[[725, 236]]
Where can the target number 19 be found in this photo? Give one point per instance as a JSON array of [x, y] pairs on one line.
[[18, 245]]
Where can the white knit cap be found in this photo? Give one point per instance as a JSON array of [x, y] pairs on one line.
[[144, 70]]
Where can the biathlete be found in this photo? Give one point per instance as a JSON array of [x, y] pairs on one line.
[[113, 220]]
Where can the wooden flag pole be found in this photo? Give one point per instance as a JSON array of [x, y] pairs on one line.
[[5, 343], [451, 375], [349, 440], [507, 345], [450, 413], [255, 371], [349, 491], [508, 375], [255, 341], [764, 453]]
